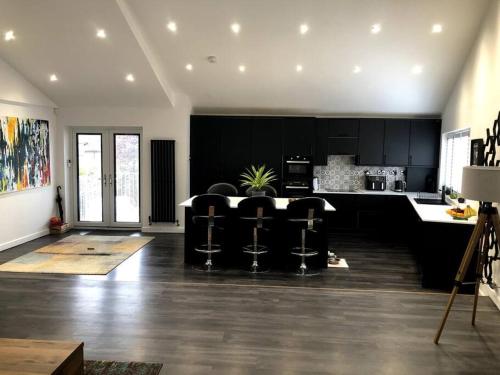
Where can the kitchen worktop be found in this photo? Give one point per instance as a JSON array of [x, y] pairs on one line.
[[426, 212], [281, 203]]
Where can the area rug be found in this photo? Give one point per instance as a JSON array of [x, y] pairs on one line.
[[78, 255], [121, 368]]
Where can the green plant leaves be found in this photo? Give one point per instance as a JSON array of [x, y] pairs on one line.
[[257, 177]]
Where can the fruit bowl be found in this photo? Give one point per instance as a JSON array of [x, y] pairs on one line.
[[461, 214]]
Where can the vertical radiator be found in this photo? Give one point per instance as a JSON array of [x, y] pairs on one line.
[[162, 181]]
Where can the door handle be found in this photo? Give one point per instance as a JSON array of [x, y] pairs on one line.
[[110, 179]]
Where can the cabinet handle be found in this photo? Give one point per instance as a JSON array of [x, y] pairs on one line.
[[105, 180], [411, 160], [385, 158]]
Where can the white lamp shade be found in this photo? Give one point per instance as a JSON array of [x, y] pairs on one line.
[[481, 183]]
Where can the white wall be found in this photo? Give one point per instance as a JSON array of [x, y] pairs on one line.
[[156, 123], [475, 100], [25, 215]]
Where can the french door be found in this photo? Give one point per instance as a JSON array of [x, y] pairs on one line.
[[107, 177]]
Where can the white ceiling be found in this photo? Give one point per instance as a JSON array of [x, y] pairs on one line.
[[59, 36]]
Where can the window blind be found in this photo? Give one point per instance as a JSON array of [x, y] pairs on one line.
[[457, 156]]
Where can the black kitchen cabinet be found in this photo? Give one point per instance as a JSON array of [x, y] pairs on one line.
[[267, 145], [298, 136], [397, 142], [371, 142], [321, 144], [236, 148], [206, 156], [425, 140], [343, 128]]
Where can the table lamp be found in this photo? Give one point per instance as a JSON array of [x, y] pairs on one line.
[[481, 184]]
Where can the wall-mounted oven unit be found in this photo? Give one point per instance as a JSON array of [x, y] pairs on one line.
[[297, 176]]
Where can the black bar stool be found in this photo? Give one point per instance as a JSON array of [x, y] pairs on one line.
[[304, 216], [258, 212], [223, 188], [210, 211]]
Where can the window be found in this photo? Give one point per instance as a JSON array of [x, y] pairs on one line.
[[456, 156]]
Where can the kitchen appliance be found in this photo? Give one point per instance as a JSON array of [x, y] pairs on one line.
[[297, 176], [315, 183], [399, 186], [375, 182]]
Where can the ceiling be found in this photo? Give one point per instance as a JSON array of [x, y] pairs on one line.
[[59, 36]]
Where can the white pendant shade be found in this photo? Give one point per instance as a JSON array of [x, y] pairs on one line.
[[481, 183]]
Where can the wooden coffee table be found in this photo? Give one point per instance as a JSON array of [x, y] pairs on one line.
[[34, 357]]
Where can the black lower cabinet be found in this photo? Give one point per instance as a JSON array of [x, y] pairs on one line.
[[439, 248]]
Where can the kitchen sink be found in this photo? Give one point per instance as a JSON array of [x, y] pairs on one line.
[[436, 202]]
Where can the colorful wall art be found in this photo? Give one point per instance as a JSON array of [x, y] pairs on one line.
[[24, 154]]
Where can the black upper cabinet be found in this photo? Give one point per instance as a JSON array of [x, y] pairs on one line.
[[321, 146], [396, 142], [371, 142], [343, 137], [425, 140], [267, 145], [348, 127], [299, 136]]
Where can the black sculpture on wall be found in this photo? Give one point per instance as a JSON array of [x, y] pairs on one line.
[[490, 159]]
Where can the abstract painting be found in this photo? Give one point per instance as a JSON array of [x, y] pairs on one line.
[[24, 154]]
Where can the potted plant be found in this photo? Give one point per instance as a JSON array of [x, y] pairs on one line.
[[256, 178]]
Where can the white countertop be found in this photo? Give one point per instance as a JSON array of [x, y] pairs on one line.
[[426, 212], [281, 203]]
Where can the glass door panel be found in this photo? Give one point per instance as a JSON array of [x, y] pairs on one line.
[[126, 178], [89, 177]]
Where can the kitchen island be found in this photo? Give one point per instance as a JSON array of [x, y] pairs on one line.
[[279, 256]]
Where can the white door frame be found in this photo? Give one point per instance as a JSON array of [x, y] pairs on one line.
[[107, 176]]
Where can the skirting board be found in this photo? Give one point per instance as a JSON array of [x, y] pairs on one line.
[[485, 290], [24, 239], [162, 228]]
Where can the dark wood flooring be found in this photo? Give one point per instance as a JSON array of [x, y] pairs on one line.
[[371, 319]]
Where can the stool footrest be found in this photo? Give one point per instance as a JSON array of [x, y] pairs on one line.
[[251, 249], [306, 254]]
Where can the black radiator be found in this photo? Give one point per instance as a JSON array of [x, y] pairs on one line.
[[162, 181]]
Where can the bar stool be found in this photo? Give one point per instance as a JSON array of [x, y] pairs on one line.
[[210, 211], [223, 188], [304, 217], [259, 212]]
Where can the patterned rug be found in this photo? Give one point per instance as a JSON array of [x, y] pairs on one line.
[[78, 255], [121, 368]]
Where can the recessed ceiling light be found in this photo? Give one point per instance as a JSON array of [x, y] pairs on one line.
[[130, 77], [304, 28], [357, 69], [189, 67], [242, 68], [101, 34], [172, 26], [437, 28], [417, 69], [299, 68], [53, 78], [9, 35], [376, 28], [236, 28]]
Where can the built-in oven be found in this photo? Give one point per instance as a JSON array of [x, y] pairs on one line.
[[297, 167], [297, 176]]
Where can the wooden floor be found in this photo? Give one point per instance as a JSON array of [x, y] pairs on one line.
[[151, 308]]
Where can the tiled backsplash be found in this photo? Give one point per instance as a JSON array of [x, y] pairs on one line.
[[342, 174]]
